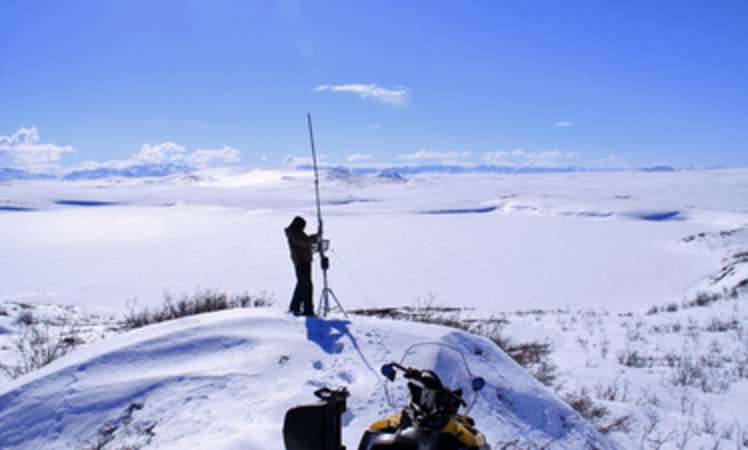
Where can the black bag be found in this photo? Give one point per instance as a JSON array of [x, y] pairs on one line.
[[318, 426]]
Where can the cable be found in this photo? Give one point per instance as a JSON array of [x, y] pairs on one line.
[[350, 277]]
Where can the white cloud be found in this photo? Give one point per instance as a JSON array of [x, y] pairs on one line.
[[611, 161], [547, 155], [24, 148], [430, 154], [498, 158], [395, 97], [498, 154], [358, 157], [374, 126], [563, 124], [159, 153], [523, 158], [168, 152], [203, 157]]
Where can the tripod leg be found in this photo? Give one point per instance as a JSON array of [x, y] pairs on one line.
[[337, 302], [324, 304]]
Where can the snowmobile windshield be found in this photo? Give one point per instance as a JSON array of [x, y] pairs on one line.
[[447, 362]]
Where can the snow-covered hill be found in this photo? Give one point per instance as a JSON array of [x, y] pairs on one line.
[[224, 381]]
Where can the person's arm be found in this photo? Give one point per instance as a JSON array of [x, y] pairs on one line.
[[302, 240]]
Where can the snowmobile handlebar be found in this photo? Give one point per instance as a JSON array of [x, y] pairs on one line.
[[326, 394], [426, 377]]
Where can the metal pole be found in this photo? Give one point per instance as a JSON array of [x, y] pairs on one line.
[[316, 174], [324, 306]]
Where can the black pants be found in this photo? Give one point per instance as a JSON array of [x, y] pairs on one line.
[[302, 295]]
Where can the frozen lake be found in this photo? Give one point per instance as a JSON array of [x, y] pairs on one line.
[[492, 242]]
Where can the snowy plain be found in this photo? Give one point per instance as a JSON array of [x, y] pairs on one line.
[[576, 259], [493, 242]]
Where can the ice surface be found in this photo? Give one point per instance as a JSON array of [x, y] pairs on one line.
[[608, 240]]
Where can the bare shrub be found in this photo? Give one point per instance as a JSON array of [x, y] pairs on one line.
[[38, 345], [740, 437], [26, 317], [582, 402], [124, 424], [686, 372], [617, 391], [687, 403], [532, 356], [620, 424], [201, 302], [741, 286], [528, 353], [684, 438], [517, 444], [635, 332], [652, 433], [632, 358], [670, 308], [708, 422], [97, 443], [718, 325], [703, 299], [673, 327], [740, 357], [604, 347], [545, 372], [706, 372], [648, 399]]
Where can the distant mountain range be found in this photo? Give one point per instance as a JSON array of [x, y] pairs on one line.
[[393, 173], [137, 171], [338, 171], [9, 173]]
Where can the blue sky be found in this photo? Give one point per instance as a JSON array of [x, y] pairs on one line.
[[508, 82]]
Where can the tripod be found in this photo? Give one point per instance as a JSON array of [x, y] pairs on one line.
[[324, 302]]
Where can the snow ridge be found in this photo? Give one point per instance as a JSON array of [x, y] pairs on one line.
[[224, 381]]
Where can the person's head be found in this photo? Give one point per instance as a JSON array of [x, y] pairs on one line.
[[298, 223]]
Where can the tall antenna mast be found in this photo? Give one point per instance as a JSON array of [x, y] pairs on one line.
[[322, 244], [316, 175]]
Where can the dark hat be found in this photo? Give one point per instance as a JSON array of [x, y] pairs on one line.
[[298, 223]]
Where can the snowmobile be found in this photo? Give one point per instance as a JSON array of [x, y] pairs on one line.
[[435, 382]]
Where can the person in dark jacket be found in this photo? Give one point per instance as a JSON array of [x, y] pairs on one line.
[[300, 245]]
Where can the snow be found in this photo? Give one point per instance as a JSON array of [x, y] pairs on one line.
[[658, 387], [546, 241], [575, 259], [224, 381]]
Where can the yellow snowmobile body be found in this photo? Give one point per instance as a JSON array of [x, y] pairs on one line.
[[397, 431], [429, 417]]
